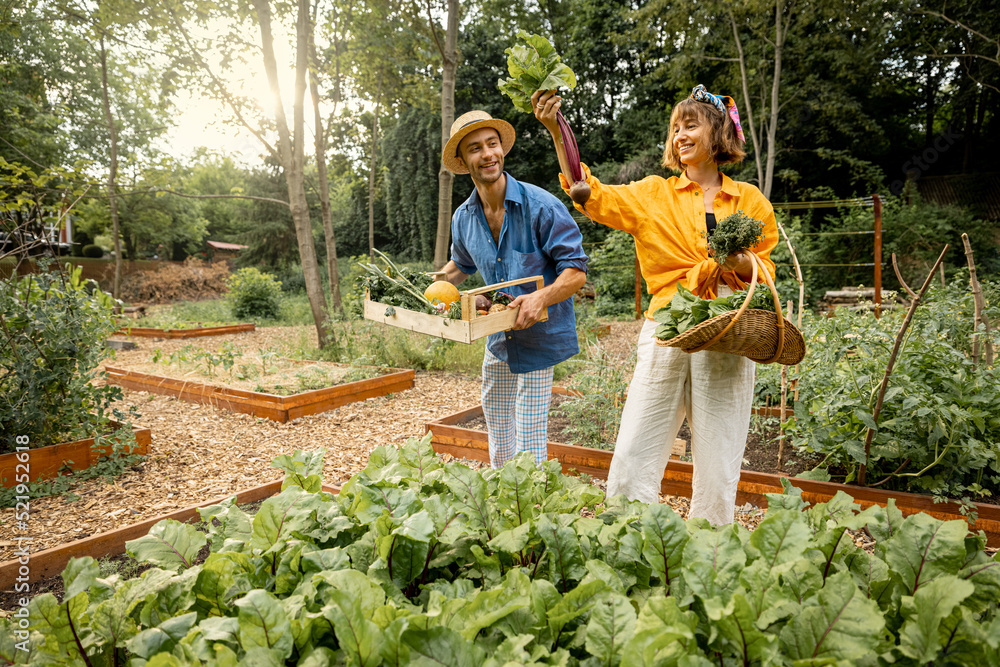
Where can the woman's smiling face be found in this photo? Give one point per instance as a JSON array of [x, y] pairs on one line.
[[691, 139]]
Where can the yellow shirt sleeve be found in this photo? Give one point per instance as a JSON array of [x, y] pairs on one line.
[[667, 219]]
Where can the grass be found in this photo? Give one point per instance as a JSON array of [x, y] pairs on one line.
[[295, 311]]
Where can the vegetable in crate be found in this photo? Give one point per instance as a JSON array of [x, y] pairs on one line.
[[401, 287], [534, 65], [734, 234], [688, 309]]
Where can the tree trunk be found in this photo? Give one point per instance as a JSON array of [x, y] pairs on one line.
[[446, 179], [746, 102], [324, 185], [292, 159], [112, 173], [371, 174], [772, 128]]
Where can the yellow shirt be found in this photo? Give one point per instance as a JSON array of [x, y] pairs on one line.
[[666, 216]]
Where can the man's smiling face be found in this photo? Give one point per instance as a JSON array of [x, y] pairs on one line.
[[483, 155]]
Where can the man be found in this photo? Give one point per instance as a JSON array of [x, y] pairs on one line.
[[508, 230]]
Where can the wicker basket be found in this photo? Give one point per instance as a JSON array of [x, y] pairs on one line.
[[761, 335]]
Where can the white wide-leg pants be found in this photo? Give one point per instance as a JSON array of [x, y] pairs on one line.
[[715, 391]]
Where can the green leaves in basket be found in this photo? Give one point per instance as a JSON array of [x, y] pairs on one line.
[[687, 309]]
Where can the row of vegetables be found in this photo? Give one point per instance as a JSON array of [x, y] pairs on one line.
[[416, 562]]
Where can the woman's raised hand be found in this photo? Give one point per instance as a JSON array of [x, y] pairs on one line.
[[546, 103]]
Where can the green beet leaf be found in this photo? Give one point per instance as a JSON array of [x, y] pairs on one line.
[[664, 536], [291, 511], [358, 636], [781, 537], [440, 646], [562, 552], [842, 624], [263, 623], [533, 65], [713, 561], [925, 548], [611, 625], [170, 544], [63, 625], [920, 637], [162, 638], [225, 521]]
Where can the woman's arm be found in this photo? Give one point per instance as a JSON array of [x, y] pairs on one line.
[[546, 104]]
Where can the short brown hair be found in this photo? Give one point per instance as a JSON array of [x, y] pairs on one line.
[[726, 145]]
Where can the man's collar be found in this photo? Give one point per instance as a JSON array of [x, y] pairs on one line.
[[511, 194]]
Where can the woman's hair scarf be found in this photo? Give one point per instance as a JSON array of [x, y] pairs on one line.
[[723, 103]]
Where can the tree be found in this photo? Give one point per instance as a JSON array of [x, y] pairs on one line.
[[449, 65]]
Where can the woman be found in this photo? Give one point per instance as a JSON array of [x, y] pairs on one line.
[[670, 220]]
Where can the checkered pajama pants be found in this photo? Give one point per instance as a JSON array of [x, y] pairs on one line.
[[516, 407]]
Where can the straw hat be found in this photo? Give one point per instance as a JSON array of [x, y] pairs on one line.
[[465, 125]]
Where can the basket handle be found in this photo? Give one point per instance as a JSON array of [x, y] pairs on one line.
[[757, 261]]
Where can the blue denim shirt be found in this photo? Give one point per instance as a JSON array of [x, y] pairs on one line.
[[538, 237]]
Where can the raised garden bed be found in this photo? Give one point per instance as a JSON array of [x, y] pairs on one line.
[[49, 461], [196, 332], [259, 404], [450, 437], [51, 562]]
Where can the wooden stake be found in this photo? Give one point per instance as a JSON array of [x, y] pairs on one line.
[[981, 316], [892, 361], [944, 284], [784, 405]]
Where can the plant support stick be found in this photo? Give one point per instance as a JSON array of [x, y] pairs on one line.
[[980, 315], [892, 361]]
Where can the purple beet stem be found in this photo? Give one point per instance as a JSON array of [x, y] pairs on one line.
[[572, 151]]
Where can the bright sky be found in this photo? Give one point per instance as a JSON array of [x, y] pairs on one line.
[[201, 121]]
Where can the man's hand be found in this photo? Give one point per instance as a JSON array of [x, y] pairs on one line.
[[531, 306]]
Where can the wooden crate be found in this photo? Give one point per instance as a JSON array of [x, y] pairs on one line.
[[472, 326]]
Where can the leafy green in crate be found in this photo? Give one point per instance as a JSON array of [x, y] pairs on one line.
[[401, 287], [687, 309]]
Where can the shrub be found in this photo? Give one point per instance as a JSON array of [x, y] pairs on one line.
[[80, 241], [51, 343], [93, 251], [253, 294]]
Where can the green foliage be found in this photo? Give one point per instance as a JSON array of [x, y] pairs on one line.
[[938, 429], [595, 413], [107, 467], [612, 270], [51, 343], [734, 233], [417, 561], [533, 65], [254, 294], [687, 309], [93, 251]]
